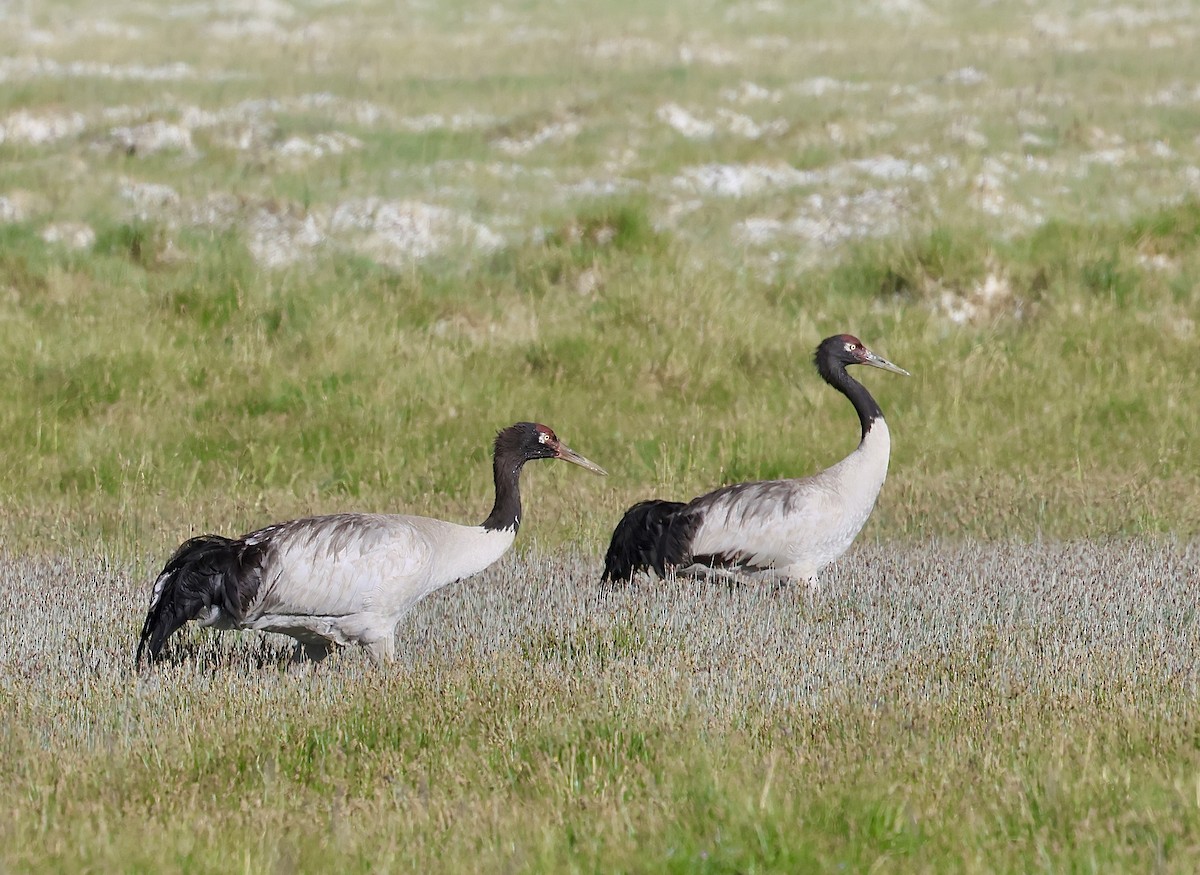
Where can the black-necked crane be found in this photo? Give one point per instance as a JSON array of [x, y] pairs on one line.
[[331, 581], [789, 528]]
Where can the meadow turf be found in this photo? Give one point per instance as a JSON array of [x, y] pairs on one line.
[[266, 259], [999, 708]]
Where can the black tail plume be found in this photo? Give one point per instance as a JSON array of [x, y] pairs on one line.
[[205, 572], [639, 542]]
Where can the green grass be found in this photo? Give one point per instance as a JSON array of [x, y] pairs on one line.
[[999, 678], [944, 708], [212, 382]]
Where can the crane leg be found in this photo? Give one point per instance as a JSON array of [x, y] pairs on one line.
[[384, 650]]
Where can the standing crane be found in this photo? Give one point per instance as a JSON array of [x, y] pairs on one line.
[[790, 528], [348, 578]]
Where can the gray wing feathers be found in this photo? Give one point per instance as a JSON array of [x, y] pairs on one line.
[[760, 524], [341, 564]]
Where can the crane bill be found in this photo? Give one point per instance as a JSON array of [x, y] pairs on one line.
[[877, 361], [569, 455]]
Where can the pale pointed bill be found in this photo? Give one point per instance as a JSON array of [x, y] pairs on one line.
[[877, 361], [569, 455]]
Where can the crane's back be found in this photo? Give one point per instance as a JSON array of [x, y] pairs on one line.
[[343, 574]]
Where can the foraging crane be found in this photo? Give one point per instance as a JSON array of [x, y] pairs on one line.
[[791, 528], [331, 581]]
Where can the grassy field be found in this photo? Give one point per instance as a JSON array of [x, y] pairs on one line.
[[260, 259], [1003, 708]]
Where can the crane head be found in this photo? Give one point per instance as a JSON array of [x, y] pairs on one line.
[[846, 349], [526, 441]]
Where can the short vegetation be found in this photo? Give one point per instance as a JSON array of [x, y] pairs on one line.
[[266, 259]]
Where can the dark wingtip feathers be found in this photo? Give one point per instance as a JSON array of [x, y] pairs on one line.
[[205, 572], [641, 541]]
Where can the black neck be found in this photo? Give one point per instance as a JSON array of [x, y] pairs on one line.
[[864, 405], [506, 512]]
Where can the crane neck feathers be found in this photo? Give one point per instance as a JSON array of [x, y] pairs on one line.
[[867, 408], [506, 511]]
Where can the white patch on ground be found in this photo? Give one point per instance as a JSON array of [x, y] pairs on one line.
[[522, 34], [912, 101], [219, 211], [831, 220], [1130, 18], [464, 121], [1059, 32], [251, 136], [11, 210], [1098, 138], [1159, 149], [819, 86], [600, 187], [151, 137], [359, 112], [715, 56], [1176, 94], [749, 92], [38, 129], [1110, 157], [589, 282], [910, 10], [677, 211], [694, 127], [397, 233], [779, 43], [280, 235], [247, 126], [264, 30], [72, 235], [20, 205], [1183, 327], [988, 193], [685, 123], [38, 68], [278, 10], [555, 132], [247, 28], [1157, 261], [744, 126], [625, 48], [845, 133], [280, 238], [149, 198], [748, 11], [83, 28], [983, 302], [966, 132], [742, 180], [516, 326], [320, 146], [966, 76], [890, 168]]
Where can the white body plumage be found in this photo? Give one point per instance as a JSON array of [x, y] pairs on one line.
[[350, 578], [796, 528]]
